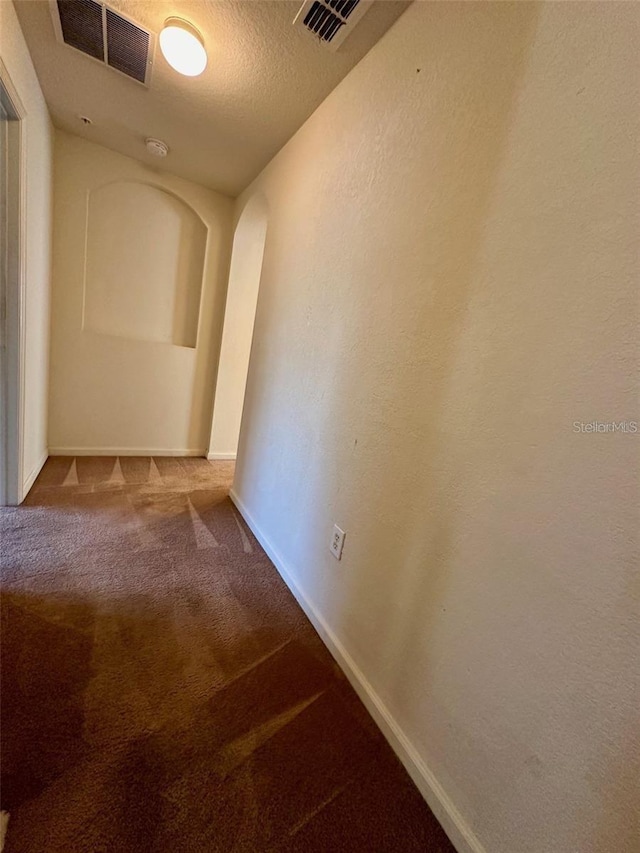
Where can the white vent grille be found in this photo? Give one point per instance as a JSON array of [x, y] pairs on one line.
[[330, 21], [103, 34]]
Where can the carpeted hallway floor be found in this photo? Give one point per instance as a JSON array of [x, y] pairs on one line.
[[162, 690]]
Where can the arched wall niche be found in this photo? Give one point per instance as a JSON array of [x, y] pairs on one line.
[[144, 264], [240, 311]]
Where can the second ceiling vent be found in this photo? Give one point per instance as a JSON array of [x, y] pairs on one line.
[[105, 35], [331, 21]]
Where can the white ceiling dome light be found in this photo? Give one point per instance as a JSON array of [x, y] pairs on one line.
[[183, 47]]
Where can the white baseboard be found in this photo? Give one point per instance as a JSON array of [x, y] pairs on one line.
[[124, 451], [221, 456], [32, 476], [439, 802]]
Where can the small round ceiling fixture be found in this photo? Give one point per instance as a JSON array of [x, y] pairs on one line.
[[156, 147], [183, 47]]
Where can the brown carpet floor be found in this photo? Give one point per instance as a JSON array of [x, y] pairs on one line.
[[161, 688]]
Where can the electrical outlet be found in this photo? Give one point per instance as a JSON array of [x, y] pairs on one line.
[[337, 542]]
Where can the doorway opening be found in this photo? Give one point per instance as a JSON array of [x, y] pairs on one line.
[[237, 334], [11, 293]]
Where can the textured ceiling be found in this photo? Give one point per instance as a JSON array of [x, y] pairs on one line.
[[264, 78]]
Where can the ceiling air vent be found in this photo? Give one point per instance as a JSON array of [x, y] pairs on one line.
[[103, 34], [331, 21]]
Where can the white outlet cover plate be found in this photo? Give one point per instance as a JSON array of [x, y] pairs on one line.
[[337, 542]]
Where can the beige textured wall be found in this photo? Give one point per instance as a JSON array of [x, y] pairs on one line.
[[450, 282], [145, 251], [124, 392], [38, 142], [239, 317]]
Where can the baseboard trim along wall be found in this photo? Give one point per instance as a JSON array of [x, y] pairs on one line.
[[32, 476], [437, 799], [125, 451], [212, 457]]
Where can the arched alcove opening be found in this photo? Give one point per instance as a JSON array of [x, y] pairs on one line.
[[145, 252], [240, 311]]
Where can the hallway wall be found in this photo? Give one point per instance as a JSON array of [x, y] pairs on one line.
[[449, 299], [38, 142], [239, 316], [140, 267]]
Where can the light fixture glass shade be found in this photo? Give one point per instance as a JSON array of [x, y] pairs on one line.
[[183, 47]]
